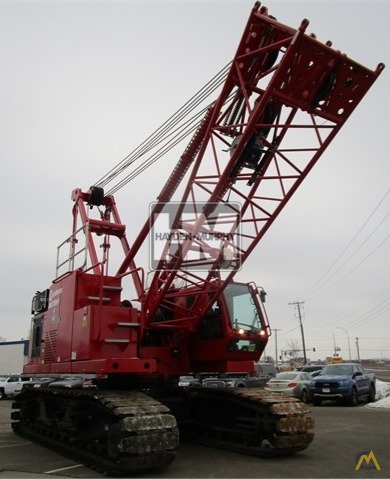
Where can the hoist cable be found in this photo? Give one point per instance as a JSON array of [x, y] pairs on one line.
[[183, 133], [162, 132], [186, 129]]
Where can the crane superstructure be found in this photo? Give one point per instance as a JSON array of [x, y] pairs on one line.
[[284, 98]]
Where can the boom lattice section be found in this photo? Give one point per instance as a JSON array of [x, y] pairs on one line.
[[285, 98]]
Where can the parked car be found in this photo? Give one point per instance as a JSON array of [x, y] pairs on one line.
[[311, 368], [73, 382], [39, 382], [343, 382], [187, 381], [265, 370], [292, 383], [11, 385], [231, 380]]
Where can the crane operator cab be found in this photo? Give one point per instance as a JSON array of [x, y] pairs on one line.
[[235, 330]]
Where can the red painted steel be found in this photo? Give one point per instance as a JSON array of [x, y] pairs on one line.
[[285, 98], [294, 94]]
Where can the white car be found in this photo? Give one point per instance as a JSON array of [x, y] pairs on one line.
[[11, 385]]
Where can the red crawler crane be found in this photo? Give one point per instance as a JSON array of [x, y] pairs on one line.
[[285, 97]]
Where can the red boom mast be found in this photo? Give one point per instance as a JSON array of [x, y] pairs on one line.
[[285, 98]]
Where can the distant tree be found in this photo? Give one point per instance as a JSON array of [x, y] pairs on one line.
[[293, 348], [268, 359]]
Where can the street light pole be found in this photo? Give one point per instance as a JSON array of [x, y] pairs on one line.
[[349, 345]]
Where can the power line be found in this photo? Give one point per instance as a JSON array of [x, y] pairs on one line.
[[327, 276], [354, 268]]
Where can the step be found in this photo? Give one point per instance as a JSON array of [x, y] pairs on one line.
[[112, 340], [98, 298], [112, 288], [127, 324]]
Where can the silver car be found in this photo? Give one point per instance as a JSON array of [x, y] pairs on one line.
[[292, 383]]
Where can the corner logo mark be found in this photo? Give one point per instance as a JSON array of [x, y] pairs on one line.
[[367, 458]]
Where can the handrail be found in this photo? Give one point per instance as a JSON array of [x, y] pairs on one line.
[[70, 260]]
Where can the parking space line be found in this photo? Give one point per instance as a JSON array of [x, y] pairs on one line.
[[13, 445], [53, 471]]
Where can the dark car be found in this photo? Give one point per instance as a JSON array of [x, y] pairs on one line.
[[39, 382], [266, 370], [58, 381], [346, 382], [311, 368], [187, 381]]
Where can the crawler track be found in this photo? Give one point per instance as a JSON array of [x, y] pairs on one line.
[[123, 432], [250, 421], [114, 433]]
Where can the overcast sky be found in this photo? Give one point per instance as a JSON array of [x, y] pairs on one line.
[[83, 83]]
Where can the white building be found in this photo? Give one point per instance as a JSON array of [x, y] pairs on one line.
[[13, 355]]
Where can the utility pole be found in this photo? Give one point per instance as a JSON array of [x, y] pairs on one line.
[[336, 349], [298, 305], [357, 348], [276, 346]]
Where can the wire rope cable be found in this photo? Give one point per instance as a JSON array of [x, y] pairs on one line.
[[170, 133]]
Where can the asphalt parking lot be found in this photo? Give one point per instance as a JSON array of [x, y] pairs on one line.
[[343, 434]]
